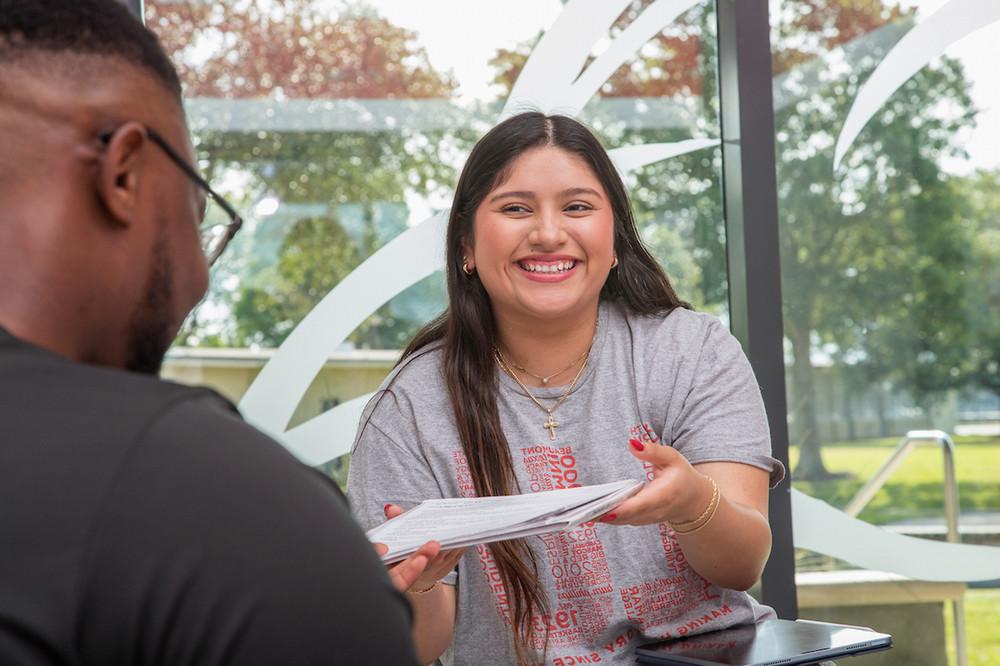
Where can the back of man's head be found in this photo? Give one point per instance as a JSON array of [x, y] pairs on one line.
[[84, 27], [99, 244]]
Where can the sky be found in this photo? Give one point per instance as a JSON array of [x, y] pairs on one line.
[[461, 36]]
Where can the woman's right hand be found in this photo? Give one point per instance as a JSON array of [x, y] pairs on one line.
[[425, 567]]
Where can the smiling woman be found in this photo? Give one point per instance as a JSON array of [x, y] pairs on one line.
[[542, 242], [554, 303]]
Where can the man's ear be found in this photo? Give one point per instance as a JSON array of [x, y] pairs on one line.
[[120, 172]]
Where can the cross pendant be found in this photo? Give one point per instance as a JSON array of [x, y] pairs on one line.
[[551, 425]]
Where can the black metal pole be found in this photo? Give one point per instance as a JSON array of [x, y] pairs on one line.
[[751, 213], [137, 8]]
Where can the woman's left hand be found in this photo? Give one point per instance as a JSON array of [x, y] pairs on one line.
[[677, 493]]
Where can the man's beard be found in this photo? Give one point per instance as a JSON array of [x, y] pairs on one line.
[[150, 330]]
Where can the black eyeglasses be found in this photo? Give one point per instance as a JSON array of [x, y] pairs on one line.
[[214, 236]]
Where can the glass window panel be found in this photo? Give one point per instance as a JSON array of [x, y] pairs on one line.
[[339, 128], [890, 281]]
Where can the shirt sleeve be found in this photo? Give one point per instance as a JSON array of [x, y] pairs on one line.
[[384, 469], [215, 546], [722, 417]]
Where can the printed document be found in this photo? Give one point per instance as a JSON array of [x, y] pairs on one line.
[[459, 522]]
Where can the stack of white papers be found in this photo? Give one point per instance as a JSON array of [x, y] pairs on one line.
[[461, 522]]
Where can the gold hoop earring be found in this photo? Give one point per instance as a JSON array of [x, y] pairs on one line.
[[614, 264], [465, 267]]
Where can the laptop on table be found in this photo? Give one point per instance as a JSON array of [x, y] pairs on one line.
[[769, 643]]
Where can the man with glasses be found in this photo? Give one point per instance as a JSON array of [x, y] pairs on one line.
[[214, 237], [142, 522]]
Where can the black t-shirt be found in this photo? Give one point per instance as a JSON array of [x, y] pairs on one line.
[[143, 522]]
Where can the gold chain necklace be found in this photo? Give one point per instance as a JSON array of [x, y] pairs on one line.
[[545, 380], [550, 424]]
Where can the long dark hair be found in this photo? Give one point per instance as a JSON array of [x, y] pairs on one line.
[[468, 330]]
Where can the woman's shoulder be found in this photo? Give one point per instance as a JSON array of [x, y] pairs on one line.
[[417, 382], [421, 369], [413, 399]]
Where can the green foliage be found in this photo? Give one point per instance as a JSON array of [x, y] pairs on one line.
[[342, 194], [314, 256], [352, 189], [875, 257], [679, 201], [982, 194]]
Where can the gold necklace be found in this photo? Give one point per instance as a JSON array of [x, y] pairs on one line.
[[545, 380], [550, 424]]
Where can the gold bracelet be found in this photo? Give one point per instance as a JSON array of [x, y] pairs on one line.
[[692, 526], [688, 523], [708, 519], [436, 583]]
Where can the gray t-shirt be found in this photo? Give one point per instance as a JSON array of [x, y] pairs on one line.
[[679, 378]]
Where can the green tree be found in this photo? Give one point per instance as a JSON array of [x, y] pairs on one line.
[[873, 258], [342, 194], [982, 192], [315, 255]]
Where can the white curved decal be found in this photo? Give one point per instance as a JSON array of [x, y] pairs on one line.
[[551, 80], [277, 390], [329, 435], [926, 41], [630, 158], [821, 528], [547, 82]]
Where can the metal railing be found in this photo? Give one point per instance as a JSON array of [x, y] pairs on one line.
[[912, 440]]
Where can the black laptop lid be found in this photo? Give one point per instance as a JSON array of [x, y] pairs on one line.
[[768, 643]]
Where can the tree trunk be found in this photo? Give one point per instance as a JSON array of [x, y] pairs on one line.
[[810, 466], [883, 420], [852, 431]]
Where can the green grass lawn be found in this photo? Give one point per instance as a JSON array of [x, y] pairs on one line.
[[915, 490], [982, 622]]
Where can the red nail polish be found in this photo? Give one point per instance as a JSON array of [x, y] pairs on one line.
[[636, 444], [608, 518], [385, 509]]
